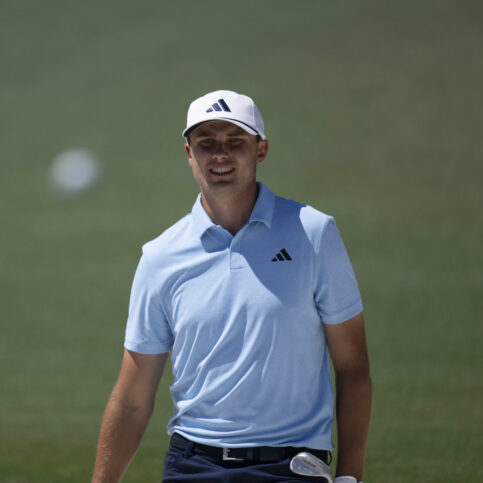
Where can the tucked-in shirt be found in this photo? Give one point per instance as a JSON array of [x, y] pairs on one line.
[[243, 317]]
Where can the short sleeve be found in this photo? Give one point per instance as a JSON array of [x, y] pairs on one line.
[[337, 294], [147, 330]]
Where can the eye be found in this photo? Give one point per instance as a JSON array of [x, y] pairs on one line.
[[207, 142], [236, 141]]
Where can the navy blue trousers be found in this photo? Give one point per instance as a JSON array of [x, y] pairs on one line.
[[183, 465]]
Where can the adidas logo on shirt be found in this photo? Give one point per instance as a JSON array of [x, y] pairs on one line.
[[282, 256], [221, 105]]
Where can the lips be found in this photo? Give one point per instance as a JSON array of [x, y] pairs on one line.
[[222, 171]]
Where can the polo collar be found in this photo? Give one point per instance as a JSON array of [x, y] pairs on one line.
[[264, 206], [262, 211]]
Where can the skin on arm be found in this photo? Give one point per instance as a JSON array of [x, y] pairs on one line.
[[348, 350], [127, 414]]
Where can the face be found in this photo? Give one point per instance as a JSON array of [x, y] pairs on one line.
[[224, 158]]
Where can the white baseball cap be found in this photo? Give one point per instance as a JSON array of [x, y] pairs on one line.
[[225, 106]]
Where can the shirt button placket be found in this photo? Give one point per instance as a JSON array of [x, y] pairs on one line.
[[236, 258]]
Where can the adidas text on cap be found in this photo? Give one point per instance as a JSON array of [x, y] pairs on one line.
[[225, 106]]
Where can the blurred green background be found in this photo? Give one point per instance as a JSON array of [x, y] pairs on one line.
[[374, 114]]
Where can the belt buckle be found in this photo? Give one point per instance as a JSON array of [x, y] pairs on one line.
[[227, 457]]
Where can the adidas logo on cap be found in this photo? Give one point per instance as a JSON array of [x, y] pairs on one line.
[[219, 106]]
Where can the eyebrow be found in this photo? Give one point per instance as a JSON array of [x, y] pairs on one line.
[[237, 131]]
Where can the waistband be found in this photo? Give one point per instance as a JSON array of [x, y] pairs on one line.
[[255, 453]]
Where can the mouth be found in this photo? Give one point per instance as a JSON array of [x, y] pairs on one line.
[[222, 171]]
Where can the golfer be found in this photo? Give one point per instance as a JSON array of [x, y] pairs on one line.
[[252, 295]]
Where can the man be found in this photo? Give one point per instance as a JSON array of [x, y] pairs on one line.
[[250, 293]]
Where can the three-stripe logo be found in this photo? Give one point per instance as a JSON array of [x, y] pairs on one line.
[[221, 105], [282, 256]]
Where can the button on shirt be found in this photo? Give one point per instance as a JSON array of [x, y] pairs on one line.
[[242, 316]]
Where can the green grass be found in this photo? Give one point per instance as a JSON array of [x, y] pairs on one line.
[[373, 110]]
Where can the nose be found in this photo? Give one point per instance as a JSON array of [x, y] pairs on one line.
[[220, 153]]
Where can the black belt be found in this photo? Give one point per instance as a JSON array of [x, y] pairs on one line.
[[255, 453]]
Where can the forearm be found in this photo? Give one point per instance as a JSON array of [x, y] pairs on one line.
[[353, 407], [122, 429]]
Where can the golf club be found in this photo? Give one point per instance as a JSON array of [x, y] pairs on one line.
[[307, 464]]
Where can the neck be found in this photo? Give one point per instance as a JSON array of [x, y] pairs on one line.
[[230, 212]]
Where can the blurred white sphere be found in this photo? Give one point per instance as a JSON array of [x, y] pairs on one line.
[[75, 171]]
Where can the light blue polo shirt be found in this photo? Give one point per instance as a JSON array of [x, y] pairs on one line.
[[242, 316]]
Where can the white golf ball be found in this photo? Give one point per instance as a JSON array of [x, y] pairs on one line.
[[75, 171]]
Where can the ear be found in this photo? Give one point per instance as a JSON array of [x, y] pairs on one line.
[[187, 148], [262, 150]]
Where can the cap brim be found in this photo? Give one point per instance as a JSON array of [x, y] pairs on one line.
[[244, 126]]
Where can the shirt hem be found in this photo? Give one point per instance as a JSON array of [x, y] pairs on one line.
[[352, 311], [143, 348], [220, 444]]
